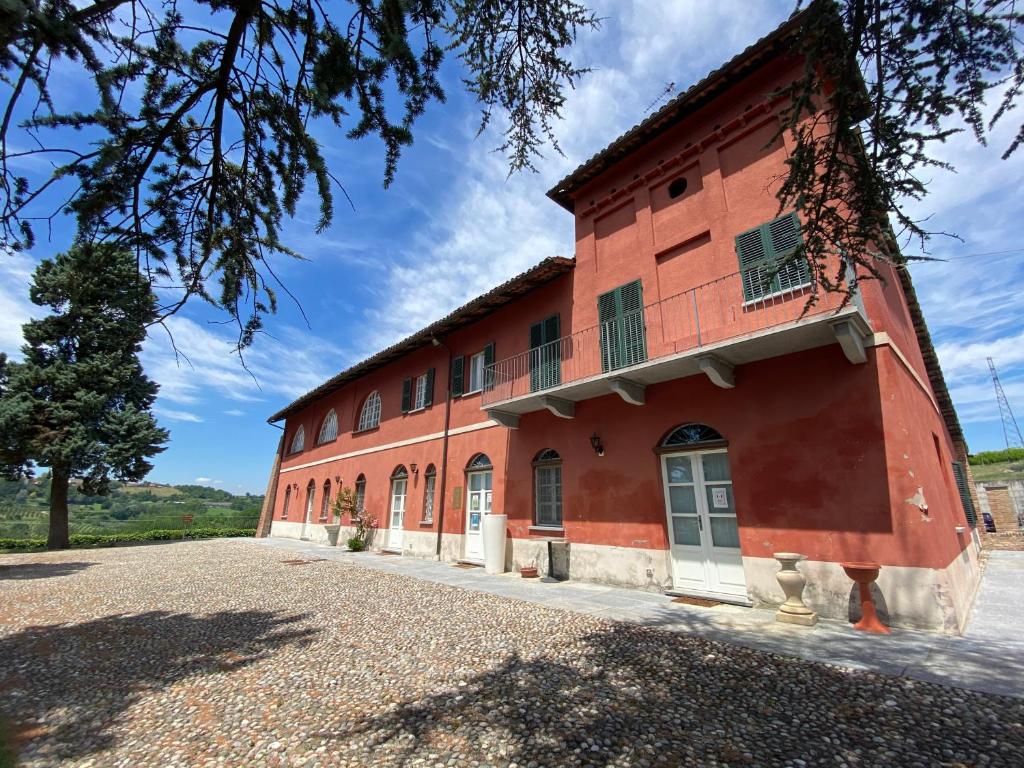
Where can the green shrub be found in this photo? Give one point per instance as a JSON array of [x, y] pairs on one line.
[[79, 540], [997, 457], [356, 544]]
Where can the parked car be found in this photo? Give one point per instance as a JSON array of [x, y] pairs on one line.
[[990, 524]]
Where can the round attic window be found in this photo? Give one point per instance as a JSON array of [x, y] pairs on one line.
[[677, 187]]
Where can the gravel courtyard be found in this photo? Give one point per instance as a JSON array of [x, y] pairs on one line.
[[225, 653]]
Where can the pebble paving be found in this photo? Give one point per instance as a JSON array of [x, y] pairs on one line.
[[219, 653]]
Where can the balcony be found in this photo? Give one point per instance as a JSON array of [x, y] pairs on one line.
[[707, 330]]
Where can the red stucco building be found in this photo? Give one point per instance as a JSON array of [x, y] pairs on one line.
[[656, 402]]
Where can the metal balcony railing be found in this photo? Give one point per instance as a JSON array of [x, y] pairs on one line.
[[708, 314]]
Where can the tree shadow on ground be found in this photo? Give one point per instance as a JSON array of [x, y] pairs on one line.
[[41, 570], [67, 684], [633, 696]]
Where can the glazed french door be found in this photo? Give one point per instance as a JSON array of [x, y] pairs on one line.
[[703, 534], [478, 504], [397, 519]]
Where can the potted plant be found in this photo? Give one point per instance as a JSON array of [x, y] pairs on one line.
[[345, 505], [529, 571]]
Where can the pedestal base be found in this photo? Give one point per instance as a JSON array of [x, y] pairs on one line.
[[803, 619]]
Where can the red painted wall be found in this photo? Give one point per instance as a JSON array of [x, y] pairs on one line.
[[825, 454]]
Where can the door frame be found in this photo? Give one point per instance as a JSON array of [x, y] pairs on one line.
[[307, 511], [707, 548], [483, 511], [392, 545]]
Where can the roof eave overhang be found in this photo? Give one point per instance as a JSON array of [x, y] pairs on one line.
[[481, 306]]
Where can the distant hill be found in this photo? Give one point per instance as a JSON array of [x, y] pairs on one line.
[[24, 507]]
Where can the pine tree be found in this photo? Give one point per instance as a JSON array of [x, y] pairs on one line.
[[79, 402]]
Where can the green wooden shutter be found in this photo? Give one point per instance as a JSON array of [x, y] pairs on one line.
[[755, 264], [965, 494], [545, 354], [458, 375], [430, 387], [784, 236], [623, 337], [406, 395], [634, 342], [761, 252], [488, 382]]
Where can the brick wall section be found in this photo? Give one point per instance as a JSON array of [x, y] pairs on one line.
[[1003, 513], [267, 513]]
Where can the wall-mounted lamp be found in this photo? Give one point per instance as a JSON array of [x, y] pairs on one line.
[[337, 479], [595, 443], [415, 469]]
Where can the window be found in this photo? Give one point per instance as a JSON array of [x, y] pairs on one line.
[[479, 461], [369, 417], [691, 434], [429, 481], [545, 354], [677, 187], [479, 376], [547, 487], [329, 429], [476, 373], [620, 313], [418, 393], [287, 500], [325, 502], [298, 441], [360, 494], [765, 264]]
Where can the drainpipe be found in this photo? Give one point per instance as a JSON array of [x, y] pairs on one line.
[[444, 445]]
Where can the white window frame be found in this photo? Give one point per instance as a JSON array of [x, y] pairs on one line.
[[419, 399], [298, 440], [555, 502], [369, 416], [475, 379], [328, 429], [430, 484]]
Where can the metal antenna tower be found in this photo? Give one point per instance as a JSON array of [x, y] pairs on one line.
[[1010, 429]]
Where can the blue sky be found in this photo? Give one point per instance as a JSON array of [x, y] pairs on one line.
[[454, 224]]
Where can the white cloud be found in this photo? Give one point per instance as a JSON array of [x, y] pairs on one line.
[[15, 308], [207, 481], [492, 226], [287, 365], [176, 415], [234, 412]]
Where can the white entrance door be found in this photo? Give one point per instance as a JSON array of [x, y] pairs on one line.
[[308, 517], [478, 504], [397, 514], [703, 535]]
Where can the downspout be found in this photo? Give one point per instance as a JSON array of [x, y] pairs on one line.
[[444, 445]]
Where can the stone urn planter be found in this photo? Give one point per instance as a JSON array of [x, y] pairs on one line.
[[865, 574], [331, 529], [793, 610]]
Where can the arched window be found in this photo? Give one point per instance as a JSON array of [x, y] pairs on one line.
[[399, 472], [360, 493], [369, 417], [429, 483], [298, 440], [329, 429], [310, 494], [547, 489], [287, 501], [691, 434], [325, 502], [479, 461]]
